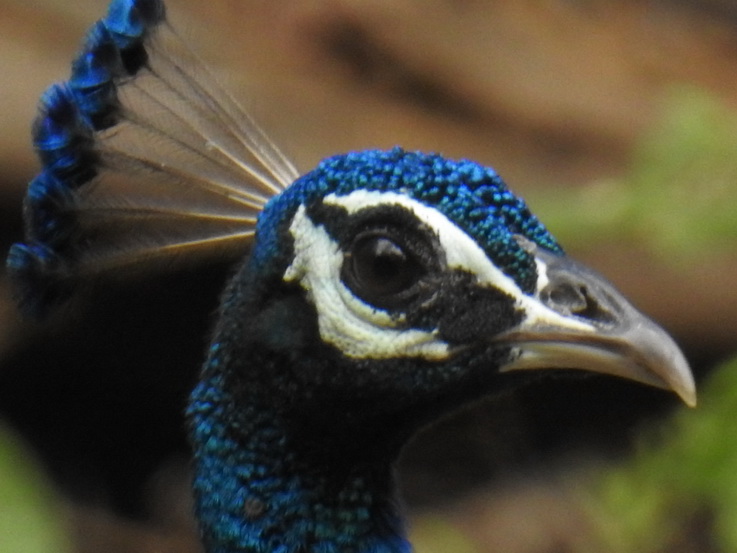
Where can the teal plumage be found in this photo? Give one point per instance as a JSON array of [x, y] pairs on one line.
[[383, 288]]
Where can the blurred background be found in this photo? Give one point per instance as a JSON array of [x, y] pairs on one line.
[[616, 121]]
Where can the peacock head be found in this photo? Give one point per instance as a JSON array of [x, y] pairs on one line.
[[387, 286]]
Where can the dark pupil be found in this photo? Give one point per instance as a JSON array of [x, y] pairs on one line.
[[381, 267]]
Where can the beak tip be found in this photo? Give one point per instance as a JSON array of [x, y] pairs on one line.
[[688, 394], [677, 374]]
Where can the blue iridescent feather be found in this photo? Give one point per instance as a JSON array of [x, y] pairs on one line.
[[63, 135], [199, 190]]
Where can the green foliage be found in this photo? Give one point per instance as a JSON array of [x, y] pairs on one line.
[[680, 196], [29, 515], [435, 534], [682, 481]]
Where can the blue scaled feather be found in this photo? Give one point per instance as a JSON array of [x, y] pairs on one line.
[[128, 21], [63, 140]]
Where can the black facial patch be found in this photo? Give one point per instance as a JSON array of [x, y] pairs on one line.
[[461, 310]]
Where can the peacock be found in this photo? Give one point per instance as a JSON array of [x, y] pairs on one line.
[[374, 294]]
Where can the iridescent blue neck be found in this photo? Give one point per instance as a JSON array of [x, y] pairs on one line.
[[253, 493]]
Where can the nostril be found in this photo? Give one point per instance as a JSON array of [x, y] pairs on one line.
[[568, 298], [564, 297]]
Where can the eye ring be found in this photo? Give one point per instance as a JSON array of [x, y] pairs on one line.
[[382, 269]]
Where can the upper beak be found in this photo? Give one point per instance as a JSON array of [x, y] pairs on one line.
[[578, 320]]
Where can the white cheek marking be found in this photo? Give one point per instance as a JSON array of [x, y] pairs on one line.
[[462, 252], [355, 328]]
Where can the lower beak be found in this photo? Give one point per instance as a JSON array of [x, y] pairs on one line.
[[580, 321]]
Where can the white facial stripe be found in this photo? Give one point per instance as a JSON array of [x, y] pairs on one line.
[[462, 252], [355, 328]]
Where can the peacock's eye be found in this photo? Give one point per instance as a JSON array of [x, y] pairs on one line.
[[381, 270]]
